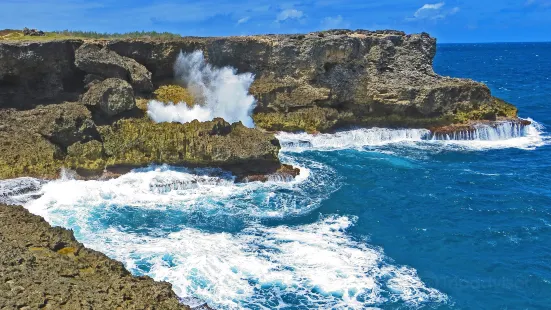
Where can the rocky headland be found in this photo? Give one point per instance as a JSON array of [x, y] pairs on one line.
[[82, 104]]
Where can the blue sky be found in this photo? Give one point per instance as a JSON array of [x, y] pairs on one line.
[[448, 20]]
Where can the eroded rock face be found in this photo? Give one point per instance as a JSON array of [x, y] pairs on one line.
[[325, 80], [111, 96], [34, 141], [131, 142], [45, 267], [333, 79], [35, 72], [39, 142], [94, 59]]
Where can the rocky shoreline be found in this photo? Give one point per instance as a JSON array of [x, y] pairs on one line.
[[44, 267], [81, 104]]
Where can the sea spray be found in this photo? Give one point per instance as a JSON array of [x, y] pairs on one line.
[[494, 132], [501, 135], [219, 92]]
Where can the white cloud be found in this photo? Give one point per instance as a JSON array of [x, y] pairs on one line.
[[334, 23], [433, 12], [289, 14], [243, 20]]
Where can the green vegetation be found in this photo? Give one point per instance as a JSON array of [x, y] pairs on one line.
[[495, 109], [10, 34], [174, 94]]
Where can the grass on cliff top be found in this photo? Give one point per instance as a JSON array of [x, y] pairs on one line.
[[10, 34]]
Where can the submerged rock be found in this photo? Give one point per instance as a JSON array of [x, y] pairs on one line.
[[45, 267], [111, 96]]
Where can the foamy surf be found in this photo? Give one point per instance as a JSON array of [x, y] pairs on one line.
[[504, 135], [202, 232]]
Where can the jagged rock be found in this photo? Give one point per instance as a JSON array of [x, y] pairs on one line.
[[369, 78], [91, 79], [93, 59], [34, 141], [32, 73], [39, 142], [111, 96], [45, 267], [137, 142]]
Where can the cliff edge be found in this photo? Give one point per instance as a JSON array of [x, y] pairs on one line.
[[42, 267], [79, 103]]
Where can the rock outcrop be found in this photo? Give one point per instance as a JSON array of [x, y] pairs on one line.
[[111, 96], [33, 73], [326, 80], [315, 82], [94, 59], [40, 141], [42, 267]]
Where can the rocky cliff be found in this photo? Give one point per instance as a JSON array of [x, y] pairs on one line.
[[317, 82], [76, 103]]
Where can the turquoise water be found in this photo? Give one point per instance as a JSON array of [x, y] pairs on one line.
[[378, 218]]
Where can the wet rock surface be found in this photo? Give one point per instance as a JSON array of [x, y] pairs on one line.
[[42, 267]]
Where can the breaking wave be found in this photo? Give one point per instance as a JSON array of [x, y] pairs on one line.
[[219, 92], [208, 236], [502, 135]]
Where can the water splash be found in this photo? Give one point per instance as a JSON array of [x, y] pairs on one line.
[[494, 132], [20, 190], [219, 92], [350, 139], [501, 135]]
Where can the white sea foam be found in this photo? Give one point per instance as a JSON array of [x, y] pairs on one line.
[[219, 92], [505, 135], [252, 266], [317, 264], [356, 138], [157, 187], [20, 190]]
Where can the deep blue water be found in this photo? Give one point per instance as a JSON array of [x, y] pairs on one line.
[[403, 224]]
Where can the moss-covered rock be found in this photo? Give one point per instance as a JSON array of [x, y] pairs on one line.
[[34, 142], [312, 119], [134, 142], [86, 158], [41, 141], [174, 94]]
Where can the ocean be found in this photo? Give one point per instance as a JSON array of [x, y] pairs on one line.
[[377, 219]]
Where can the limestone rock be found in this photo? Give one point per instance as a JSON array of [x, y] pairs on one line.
[[93, 59], [34, 141], [111, 96], [242, 150], [45, 267], [369, 78], [32, 73], [41, 141]]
